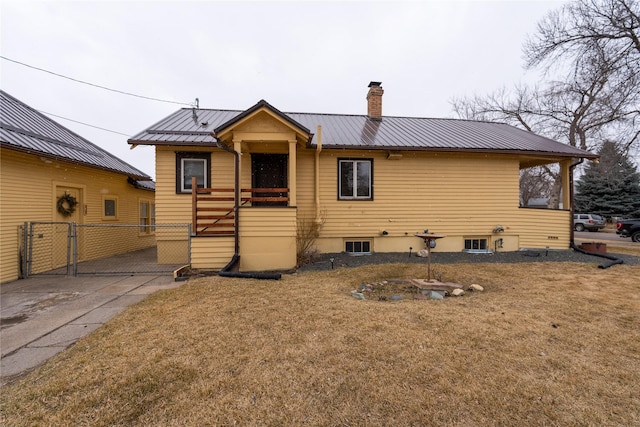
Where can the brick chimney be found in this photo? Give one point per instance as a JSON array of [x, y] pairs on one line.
[[374, 101]]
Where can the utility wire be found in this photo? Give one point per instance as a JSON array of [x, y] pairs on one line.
[[82, 123], [94, 85]]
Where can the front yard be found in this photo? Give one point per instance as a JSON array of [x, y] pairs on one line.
[[544, 344]]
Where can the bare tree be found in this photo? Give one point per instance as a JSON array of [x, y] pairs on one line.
[[599, 41], [534, 183], [593, 49], [575, 32]]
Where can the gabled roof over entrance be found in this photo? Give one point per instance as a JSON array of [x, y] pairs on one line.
[[302, 133], [24, 129]]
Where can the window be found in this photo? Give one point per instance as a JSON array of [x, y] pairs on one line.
[[189, 165], [147, 217], [357, 246], [475, 244], [355, 179], [109, 207]]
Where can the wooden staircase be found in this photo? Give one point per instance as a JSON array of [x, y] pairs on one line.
[[213, 209]]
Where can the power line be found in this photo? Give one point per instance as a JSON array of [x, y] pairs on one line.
[[85, 124], [94, 85]]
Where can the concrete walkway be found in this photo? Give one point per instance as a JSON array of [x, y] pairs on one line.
[[43, 315]]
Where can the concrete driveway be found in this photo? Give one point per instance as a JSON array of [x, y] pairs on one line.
[[607, 237], [43, 315]]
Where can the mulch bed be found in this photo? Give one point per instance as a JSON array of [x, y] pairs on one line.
[[344, 260]]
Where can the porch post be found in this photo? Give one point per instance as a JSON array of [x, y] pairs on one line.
[[237, 146], [566, 193], [293, 156]]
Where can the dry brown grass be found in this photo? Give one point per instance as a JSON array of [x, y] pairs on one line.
[[545, 344], [624, 249]]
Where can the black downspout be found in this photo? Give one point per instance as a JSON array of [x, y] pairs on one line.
[[236, 203], [235, 260], [572, 243]]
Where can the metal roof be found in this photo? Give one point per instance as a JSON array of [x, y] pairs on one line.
[[194, 127], [24, 129], [142, 184]]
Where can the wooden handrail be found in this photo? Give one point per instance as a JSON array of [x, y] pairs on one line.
[[203, 217], [214, 190], [265, 190]]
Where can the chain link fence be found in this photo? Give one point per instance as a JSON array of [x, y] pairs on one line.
[[68, 248]]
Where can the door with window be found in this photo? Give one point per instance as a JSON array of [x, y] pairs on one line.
[[61, 242], [269, 171]]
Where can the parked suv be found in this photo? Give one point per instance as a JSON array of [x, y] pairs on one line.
[[589, 222]]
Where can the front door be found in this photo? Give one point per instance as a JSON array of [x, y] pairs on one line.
[[269, 171], [62, 243]]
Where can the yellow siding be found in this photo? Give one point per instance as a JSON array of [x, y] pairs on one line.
[[257, 224], [458, 195], [211, 253], [27, 190], [267, 238], [539, 228], [306, 183], [463, 196], [172, 208]]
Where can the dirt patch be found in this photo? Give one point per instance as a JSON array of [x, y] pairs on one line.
[[403, 289]]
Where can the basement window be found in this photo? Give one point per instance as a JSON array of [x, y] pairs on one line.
[[357, 247], [476, 245]]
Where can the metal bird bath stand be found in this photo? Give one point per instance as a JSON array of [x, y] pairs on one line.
[[428, 238]]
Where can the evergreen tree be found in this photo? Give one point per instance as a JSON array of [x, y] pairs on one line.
[[610, 187]]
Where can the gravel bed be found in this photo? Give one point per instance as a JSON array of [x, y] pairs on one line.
[[344, 260]]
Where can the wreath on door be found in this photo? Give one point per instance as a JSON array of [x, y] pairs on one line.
[[66, 204]]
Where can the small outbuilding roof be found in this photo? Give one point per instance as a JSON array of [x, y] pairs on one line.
[[194, 127], [24, 129]]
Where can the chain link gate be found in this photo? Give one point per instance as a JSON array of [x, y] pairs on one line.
[[68, 248], [47, 248]]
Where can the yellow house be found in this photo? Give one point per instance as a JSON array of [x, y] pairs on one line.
[[271, 183], [52, 177]]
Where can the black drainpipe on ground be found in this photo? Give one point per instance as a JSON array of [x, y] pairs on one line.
[[231, 269], [572, 243]]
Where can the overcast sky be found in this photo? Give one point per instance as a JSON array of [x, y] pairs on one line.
[[302, 56]]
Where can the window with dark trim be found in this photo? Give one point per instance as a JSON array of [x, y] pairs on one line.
[[355, 179], [189, 165], [357, 246], [475, 244], [109, 207]]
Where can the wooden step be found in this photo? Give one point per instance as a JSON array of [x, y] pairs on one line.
[[215, 199], [215, 233], [215, 209], [213, 224], [215, 217]]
